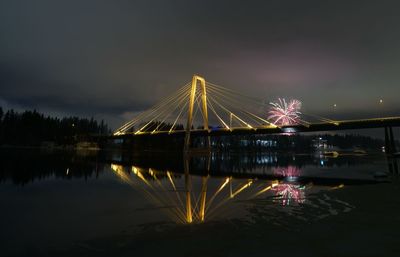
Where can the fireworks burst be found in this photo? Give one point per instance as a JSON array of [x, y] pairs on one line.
[[284, 113], [289, 171], [288, 193]]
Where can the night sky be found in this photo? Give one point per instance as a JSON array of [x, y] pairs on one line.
[[110, 59]]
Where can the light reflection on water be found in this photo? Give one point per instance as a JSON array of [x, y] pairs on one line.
[[201, 195], [107, 192]]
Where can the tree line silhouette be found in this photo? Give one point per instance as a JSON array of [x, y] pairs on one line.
[[31, 128]]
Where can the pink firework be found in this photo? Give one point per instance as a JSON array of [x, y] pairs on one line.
[[289, 193], [289, 171], [284, 113]]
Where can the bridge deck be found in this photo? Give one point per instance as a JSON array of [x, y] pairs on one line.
[[313, 127]]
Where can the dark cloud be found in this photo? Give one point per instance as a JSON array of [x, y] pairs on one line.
[[109, 58]]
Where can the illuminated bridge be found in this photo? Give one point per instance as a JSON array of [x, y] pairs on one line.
[[205, 109]]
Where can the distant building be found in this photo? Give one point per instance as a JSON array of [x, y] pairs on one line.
[[320, 143]]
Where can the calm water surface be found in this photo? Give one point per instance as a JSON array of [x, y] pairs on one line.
[[245, 204]]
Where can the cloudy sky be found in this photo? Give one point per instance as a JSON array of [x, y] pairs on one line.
[[108, 59]]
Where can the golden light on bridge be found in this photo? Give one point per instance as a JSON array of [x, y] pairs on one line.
[[209, 109], [242, 188]]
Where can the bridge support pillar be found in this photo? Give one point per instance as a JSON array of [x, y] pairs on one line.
[[390, 149], [387, 141], [392, 165], [390, 143]]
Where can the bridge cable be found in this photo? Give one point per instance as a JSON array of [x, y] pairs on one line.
[[153, 109], [158, 115]]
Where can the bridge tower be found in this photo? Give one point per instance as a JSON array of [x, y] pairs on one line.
[[195, 81]]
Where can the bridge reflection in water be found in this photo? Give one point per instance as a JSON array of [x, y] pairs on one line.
[[195, 198], [185, 204]]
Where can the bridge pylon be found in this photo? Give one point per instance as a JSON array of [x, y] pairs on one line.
[[195, 81]]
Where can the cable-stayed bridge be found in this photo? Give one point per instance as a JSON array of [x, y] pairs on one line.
[[205, 109]]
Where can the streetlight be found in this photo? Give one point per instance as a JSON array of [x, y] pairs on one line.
[[380, 106]]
